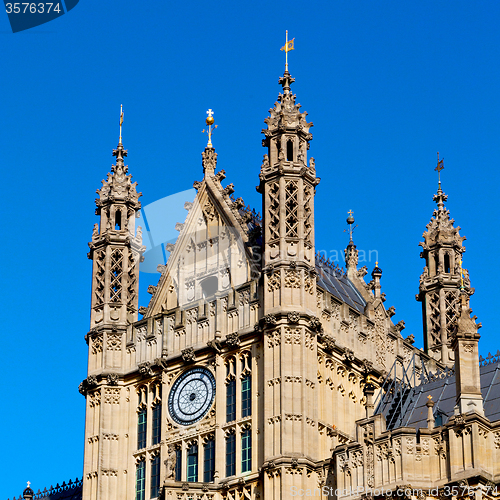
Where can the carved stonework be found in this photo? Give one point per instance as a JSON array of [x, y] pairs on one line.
[[293, 317], [188, 355], [112, 379], [315, 324], [274, 281], [113, 341], [146, 369], [292, 279], [111, 395], [270, 319], [233, 340]]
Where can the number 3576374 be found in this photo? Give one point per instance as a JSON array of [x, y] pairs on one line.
[[32, 8]]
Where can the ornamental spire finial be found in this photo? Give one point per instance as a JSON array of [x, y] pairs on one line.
[[121, 123], [350, 222], [440, 197], [210, 121], [287, 48]]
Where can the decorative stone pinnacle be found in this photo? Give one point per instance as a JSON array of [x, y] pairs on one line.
[[440, 198], [285, 81], [120, 152]]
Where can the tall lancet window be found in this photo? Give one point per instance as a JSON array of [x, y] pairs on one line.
[[140, 480]]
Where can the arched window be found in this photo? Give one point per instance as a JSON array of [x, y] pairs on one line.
[[118, 220], [289, 151], [446, 263]]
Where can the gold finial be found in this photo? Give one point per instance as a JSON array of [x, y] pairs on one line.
[[439, 167], [429, 397], [121, 122], [210, 121], [287, 48]]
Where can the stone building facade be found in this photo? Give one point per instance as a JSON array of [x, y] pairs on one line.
[[261, 370]]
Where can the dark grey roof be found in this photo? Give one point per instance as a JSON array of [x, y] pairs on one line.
[[443, 394], [334, 281]]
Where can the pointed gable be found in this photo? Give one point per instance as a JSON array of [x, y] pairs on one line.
[[216, 249]]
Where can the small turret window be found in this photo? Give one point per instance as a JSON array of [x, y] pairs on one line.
[[436, 263], [118, 220], [289, 151], [446, 263]]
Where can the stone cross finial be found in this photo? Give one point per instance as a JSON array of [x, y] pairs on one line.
[[29, 484]]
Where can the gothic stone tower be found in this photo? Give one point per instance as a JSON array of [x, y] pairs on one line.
[[287, 185], [441, 281], [115, 250]]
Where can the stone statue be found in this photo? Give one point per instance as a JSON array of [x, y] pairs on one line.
[[265, 162], [171, 461]]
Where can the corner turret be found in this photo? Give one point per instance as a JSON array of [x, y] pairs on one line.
[[441, 279]]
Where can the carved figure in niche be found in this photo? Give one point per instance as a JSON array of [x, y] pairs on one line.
[[171, 461], [95, 232], [265, 162]]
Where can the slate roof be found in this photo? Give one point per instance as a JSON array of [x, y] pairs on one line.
[[443, 394], [333, 280]]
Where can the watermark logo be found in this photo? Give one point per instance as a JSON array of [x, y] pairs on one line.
[[26, 15]]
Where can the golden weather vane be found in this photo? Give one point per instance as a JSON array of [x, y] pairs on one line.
[[121, 122], [287, 48], [210, 121], [439, 167]]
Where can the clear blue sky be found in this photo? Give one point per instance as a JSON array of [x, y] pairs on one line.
[[387, 84]]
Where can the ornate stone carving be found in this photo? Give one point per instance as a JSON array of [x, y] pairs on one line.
[[112, 379], [215, 344], [188, 355], [315, 324], [309, 284], [232, 340], [111, 395], [270, 319], [146, 369], [293, 317], [113, 341], [209, 159], [170, 462], [292, 279]]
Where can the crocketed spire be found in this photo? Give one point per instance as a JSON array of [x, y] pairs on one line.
[[442, 279]]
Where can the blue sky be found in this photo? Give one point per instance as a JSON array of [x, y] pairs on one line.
[[387, 85]]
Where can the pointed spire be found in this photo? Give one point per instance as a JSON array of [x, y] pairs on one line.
[[120, 153], [442, 277], [118, 185], [351, 252], [440, 197]]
